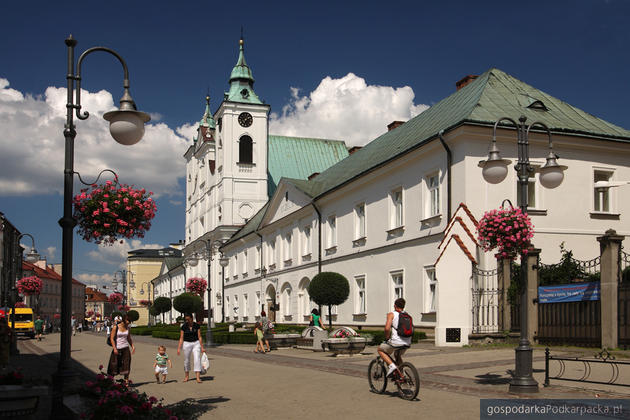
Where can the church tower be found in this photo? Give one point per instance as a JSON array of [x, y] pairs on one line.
[[242, 134]]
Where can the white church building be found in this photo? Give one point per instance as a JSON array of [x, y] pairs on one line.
[[282, 209]]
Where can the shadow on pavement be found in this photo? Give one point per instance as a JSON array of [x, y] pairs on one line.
[[492, 379], [193, 409]]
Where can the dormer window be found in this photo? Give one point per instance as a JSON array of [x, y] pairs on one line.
[[245, 93], [245, 152], [538, 106]]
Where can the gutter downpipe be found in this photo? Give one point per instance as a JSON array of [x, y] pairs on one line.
[[319, 238], [449, 162]]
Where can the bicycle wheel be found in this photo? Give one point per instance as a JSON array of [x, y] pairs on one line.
[[377, 376], [409, 384]]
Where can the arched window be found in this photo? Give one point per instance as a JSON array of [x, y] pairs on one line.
[[245, 153]]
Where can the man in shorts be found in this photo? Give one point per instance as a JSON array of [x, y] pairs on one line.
[[393, 341], [39, 327]]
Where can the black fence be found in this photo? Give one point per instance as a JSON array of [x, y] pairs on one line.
[[570, 323]]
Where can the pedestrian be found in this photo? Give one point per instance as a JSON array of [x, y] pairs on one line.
[[108, 326], [80, 327], [265, 329], [160, 365], [259, 338], [120, 339], [39, 328], [73, 324], [316, 319], [190, 341], [5, 342]]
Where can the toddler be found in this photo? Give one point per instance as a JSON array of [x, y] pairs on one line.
[[161, 360]]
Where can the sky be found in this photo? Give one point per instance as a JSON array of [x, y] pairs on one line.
[[329, 69]]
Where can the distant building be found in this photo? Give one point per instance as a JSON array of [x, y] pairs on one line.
[[49, 301], [10, 256], [97, 302], [169, 283], [143, 265]]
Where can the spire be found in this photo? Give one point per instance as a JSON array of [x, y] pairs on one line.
[[241, 70], [207, 120], [242, 80]]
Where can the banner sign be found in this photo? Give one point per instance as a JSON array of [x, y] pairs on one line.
[[568, 292]]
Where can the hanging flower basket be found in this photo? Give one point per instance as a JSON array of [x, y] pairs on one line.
[[115, 298], [110, 212], [123, 308], [508, 230], [20, 305], [196, 285], [29, 285], [89, 313], [57, 316], [145, 302]]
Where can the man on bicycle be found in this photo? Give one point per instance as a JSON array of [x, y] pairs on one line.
[[393, 341]]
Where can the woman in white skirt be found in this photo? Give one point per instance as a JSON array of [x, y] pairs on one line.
[[190, 340]]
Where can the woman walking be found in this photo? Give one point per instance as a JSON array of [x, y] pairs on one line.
[[190, 340], [120, 359]]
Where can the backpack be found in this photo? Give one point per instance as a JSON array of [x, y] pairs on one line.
[[405, 325]]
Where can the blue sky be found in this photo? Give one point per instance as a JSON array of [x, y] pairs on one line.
[[328, 69]]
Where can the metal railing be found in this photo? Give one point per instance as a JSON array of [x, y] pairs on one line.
[[603, 357]]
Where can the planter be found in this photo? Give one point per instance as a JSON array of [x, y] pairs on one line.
[[312, 338], [283, 340], [22, 401], [353, 345]]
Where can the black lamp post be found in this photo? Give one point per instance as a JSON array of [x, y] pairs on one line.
[[127, 128], [192, 261], [551, 175]]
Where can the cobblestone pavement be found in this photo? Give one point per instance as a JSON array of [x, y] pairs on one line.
[[291, 383]]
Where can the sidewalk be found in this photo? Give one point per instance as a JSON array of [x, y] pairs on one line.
[[291, 383]]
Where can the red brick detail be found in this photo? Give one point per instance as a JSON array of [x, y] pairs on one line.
[[462, 246], [463, 225]]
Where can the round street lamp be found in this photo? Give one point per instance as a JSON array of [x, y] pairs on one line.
[[494, 170], [127, 128]]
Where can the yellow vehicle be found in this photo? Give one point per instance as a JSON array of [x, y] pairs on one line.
[[23, 321]]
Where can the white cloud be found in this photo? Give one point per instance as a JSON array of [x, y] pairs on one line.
[[116, 254], [51, 251], [176, 202], [346, 109], [35, 123], [101, 281]]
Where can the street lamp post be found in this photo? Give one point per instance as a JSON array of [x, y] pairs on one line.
[[193, 261], [551, 175], [127, 128], [148, 283], [31, 257]]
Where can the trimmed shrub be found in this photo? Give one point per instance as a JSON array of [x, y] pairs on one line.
[[329, 288], [133, 315], [187, 303], [116, 313], [162, 305]]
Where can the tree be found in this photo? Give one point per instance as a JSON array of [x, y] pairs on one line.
[[329, 288], [133, 315], [162, 305], [187, 303]]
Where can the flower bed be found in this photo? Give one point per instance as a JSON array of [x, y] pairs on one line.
[[112, 211]]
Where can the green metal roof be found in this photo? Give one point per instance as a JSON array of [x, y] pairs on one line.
[[493, 95], [242, 81], [206, 119], [173, 262], [300, 157]]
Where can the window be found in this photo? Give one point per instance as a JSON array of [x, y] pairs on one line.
[[397, 281], [360, 302], [244, 262], [235, 306], [430, 305], [245, 305], [286, 301], [433, 199], [306, 249], [303, 299], [257, 303], [332, 231], [601, 199], [227, 306], [245, 154], [257, 262], [397, 208], [287, 246], [360, 220], [272, 252], [531, 191], [235, 269]]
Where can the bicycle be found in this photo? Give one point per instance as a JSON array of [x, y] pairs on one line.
[[405, 377]]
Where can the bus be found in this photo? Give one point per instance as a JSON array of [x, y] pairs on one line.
[[24, 318]]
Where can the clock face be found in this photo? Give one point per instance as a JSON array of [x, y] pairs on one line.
[[245, 119]]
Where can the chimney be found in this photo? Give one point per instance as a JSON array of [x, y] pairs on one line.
[[466, 80], [354, 149], [313, 175], [394, 124], [57, 268], [41, 263]]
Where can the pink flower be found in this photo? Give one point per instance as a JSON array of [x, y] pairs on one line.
[[100, 367], [125, 409]]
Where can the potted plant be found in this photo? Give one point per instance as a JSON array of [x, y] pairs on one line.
[[110, 212], [29, 285], [508, 229]]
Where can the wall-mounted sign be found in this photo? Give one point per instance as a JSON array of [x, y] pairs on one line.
[[568, 292]]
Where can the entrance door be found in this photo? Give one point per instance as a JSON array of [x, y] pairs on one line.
[[271, 303]]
